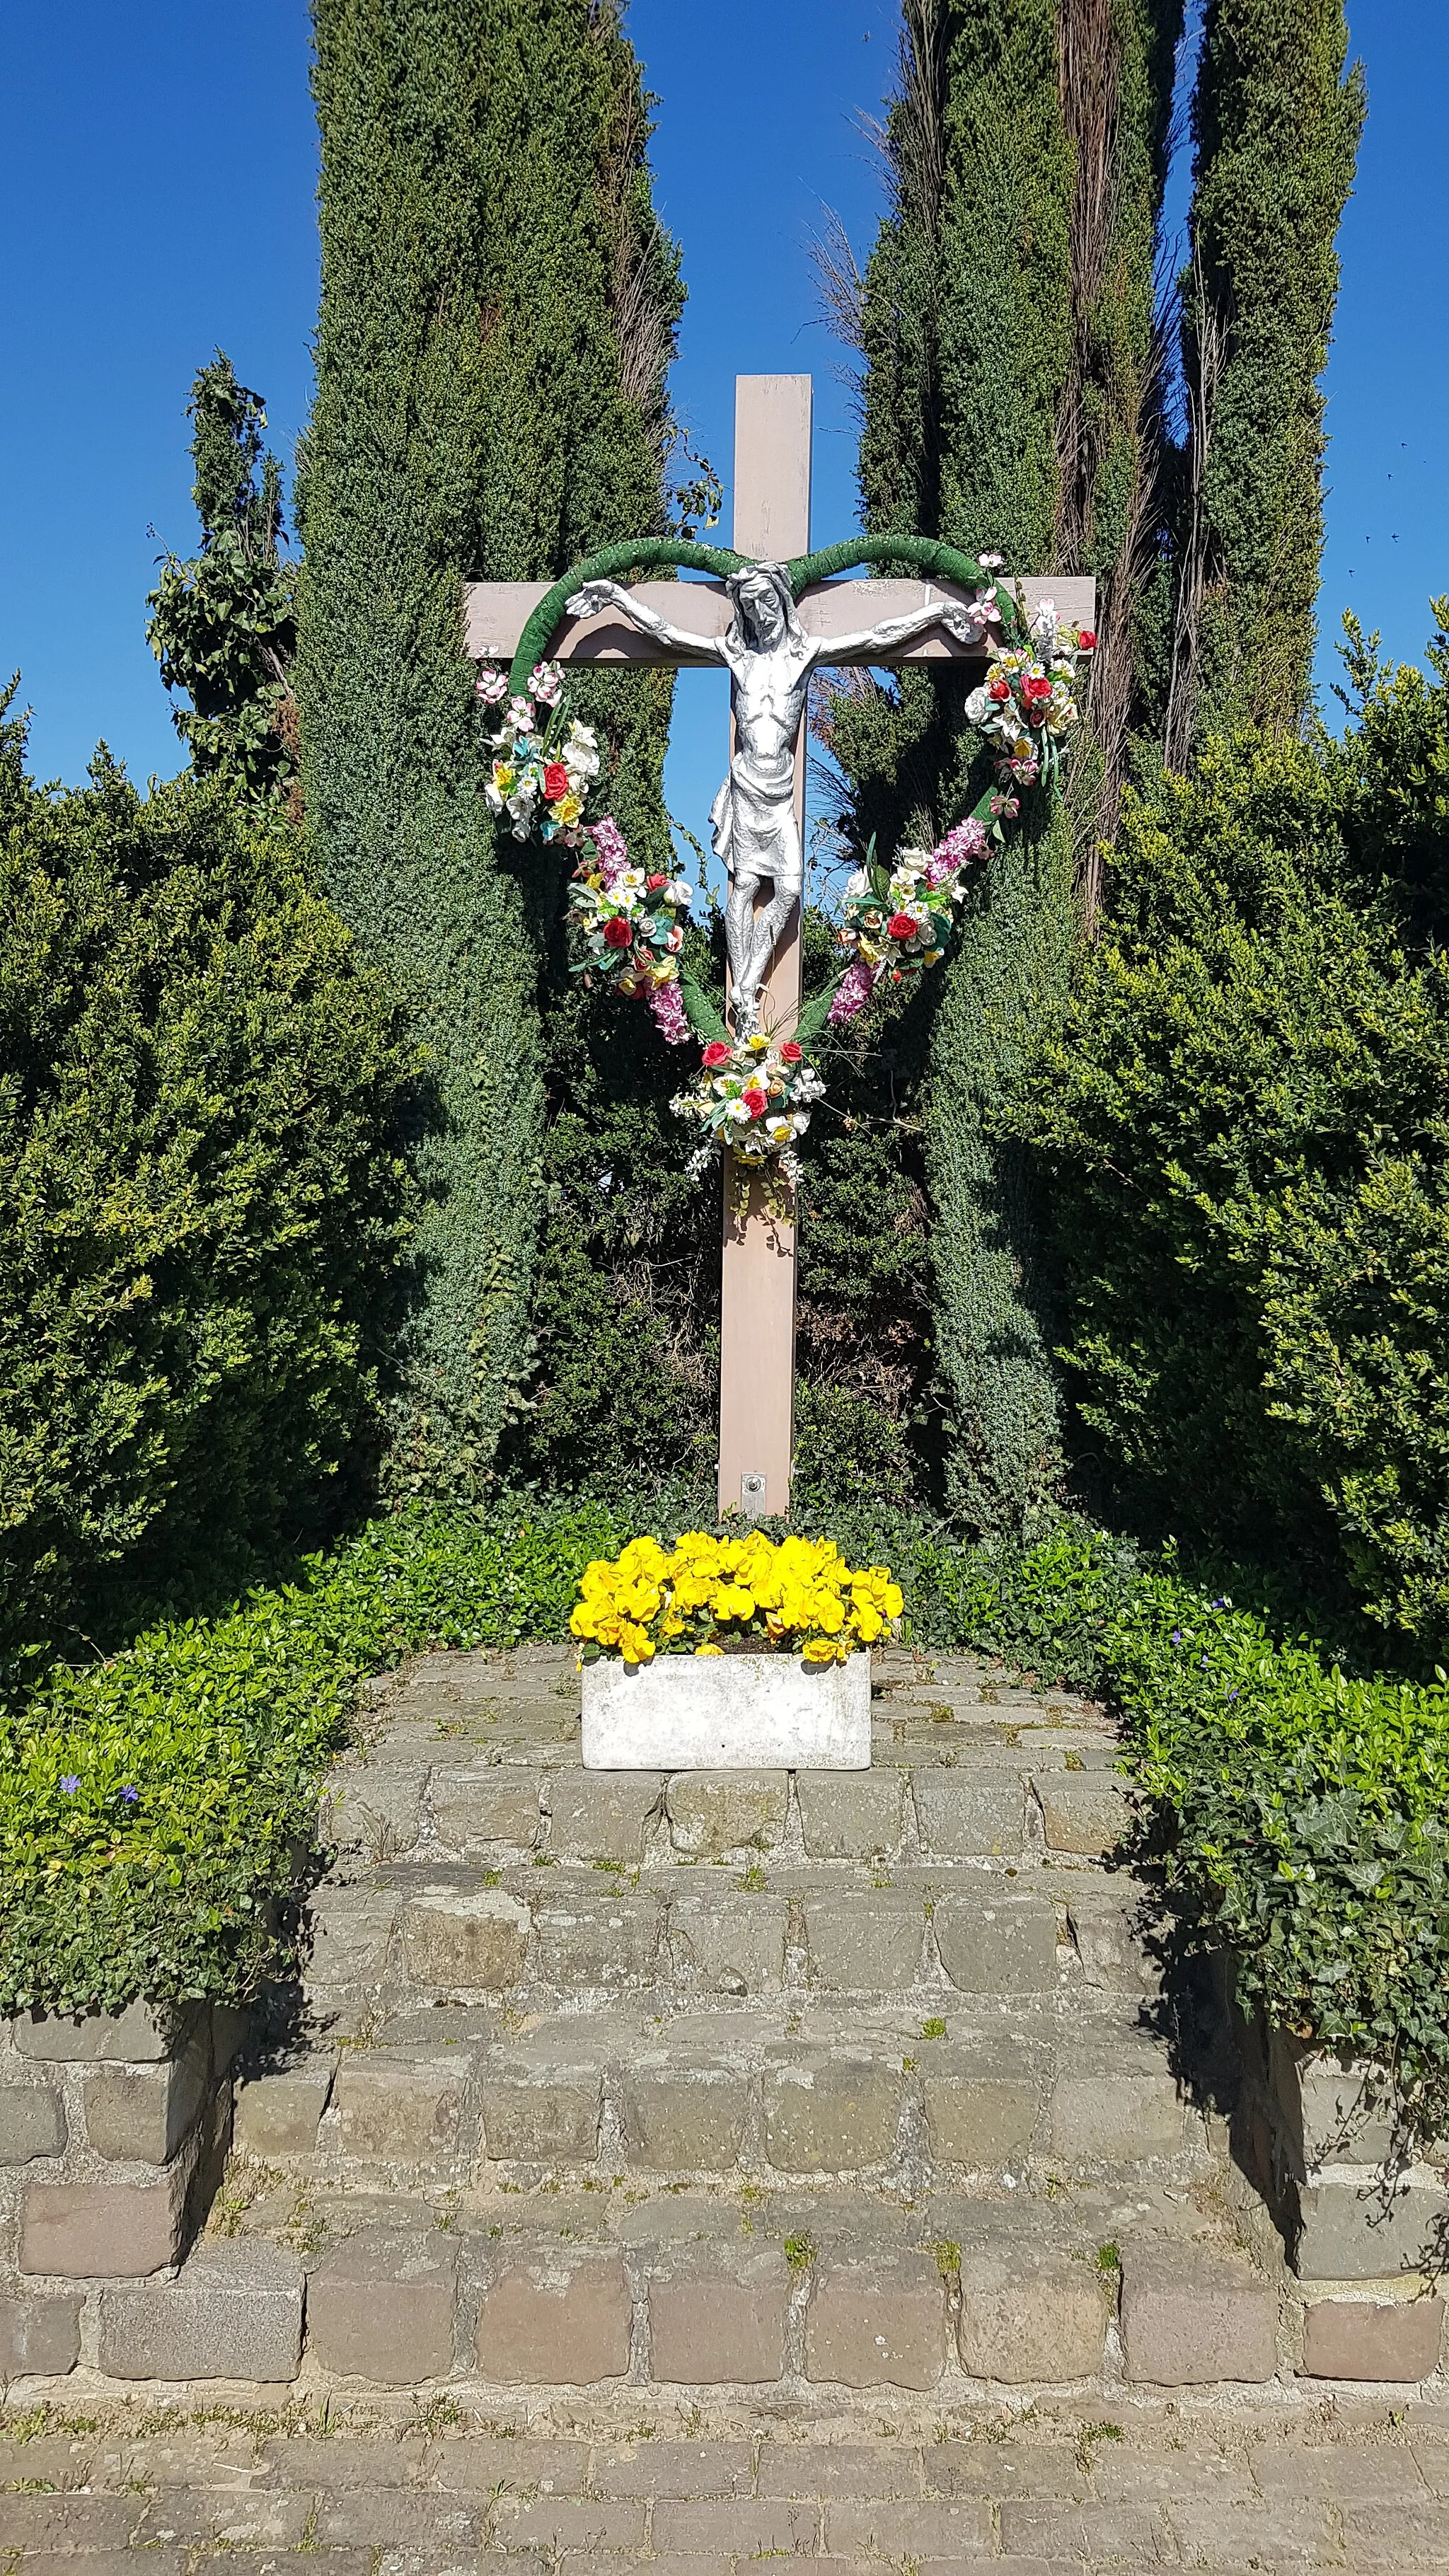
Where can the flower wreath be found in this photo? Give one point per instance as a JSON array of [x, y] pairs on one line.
[[752, 1096]]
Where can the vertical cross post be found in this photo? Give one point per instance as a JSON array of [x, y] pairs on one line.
[[757, 1313]]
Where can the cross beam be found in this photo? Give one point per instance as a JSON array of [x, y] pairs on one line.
[[496, 612], [771, 522]]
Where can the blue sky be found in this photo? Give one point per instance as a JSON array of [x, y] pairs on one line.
[[156, 189]]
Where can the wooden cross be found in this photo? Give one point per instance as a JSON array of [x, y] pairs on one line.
[[772, 522]]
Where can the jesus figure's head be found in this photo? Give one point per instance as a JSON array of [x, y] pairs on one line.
[[764, 605]]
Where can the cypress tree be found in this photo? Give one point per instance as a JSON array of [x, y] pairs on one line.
[[498, 313], [1010, 401], [223, 625], [1276, 122]]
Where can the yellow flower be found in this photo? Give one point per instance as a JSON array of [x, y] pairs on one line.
[[731, 1601], [569, 808], [798, 1588], [824, 1650]]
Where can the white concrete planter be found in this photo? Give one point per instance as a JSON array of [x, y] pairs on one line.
[[727, 1713]]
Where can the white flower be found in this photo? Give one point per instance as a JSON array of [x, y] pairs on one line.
[[679, 892], [580, 753]]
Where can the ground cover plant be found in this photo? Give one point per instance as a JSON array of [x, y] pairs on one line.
[[158, 1807], [155, 1808]]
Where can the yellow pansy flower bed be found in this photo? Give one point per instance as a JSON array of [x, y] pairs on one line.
[[707, 1595]]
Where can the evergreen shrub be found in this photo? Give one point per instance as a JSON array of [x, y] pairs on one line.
[[1242, 1119], [200, 1205]]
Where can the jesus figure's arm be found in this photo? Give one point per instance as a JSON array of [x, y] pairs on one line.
[[596, 596], [965, 623]]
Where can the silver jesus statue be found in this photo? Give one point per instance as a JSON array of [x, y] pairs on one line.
[[769, 658]]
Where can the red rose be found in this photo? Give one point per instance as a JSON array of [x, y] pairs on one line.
[[1000, 691], [901, 926], [654, 883], [716, 1053], [1036, 688], [617, 933], [1086, 641], [555, 781], [790, 1053], [756, 1101]]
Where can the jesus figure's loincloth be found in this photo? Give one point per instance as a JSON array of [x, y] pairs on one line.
[[753, 826]]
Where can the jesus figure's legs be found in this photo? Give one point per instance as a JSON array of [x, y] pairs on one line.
[[770, 856]]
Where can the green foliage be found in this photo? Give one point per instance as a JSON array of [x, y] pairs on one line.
[[1397, 755], [1276, 125], [222, 625], [1008, 401], [498, 309], [865, 1410], [155, 1807], [1243, 1118], [626, 1304], [199, 1206]]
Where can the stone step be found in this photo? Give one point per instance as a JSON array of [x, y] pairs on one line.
[[929, 1804], [420, 1933], [982, 2097], [802, 2293]]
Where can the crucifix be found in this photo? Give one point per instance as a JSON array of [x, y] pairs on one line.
[[770, 644]]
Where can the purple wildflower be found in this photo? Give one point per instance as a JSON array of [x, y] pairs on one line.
[[130, 1797], [610, 848], [856, 987], [1177, 1636], [70, 1783], [667, 1004], [967, 841]]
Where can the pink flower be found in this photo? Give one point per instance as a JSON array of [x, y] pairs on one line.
[[610, 846], [716, 1053], [667, 1004], [968, 840], [855, 989], [755, 1100]]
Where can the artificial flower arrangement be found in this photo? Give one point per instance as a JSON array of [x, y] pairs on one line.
[[716, 1596], [629, 927], [752, 1097], [899, 920], [1027, 703], [542, 768]]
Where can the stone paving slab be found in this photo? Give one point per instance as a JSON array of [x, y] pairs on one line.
[[1268, 2486]]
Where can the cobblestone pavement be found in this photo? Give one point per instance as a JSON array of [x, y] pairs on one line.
[[332, 2489]]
